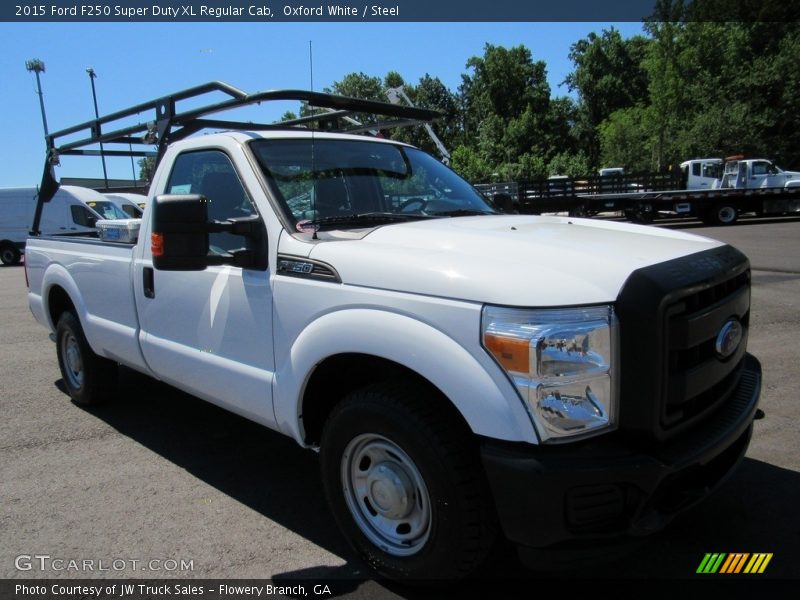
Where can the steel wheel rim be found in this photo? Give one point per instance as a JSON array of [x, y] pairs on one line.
[[726, 214], [7, 256], [73, 360], [386, 495]]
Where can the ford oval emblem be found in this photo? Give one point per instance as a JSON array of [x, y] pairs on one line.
[[729, 338]]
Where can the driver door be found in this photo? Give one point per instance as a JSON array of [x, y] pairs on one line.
[[210, 332]]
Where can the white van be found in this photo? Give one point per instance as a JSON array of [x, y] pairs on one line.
[[132, 204], [72, 210]]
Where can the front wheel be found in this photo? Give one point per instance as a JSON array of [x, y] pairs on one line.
[[89, 378], [404, 482]]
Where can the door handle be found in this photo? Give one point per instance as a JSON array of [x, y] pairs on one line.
[[148, 281]]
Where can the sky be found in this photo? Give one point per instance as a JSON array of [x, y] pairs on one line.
[[136, 62]]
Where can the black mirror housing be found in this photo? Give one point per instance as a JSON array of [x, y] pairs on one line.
[[179, 240]]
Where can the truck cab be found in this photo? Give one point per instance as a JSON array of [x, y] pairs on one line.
[[701, 173], [756, 173]]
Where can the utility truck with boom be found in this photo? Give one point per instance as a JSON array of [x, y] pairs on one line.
[[566, 383]]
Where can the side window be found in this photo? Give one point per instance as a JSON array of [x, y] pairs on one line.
[[81, 216], [696, 169], [211, 173], [759, 168]]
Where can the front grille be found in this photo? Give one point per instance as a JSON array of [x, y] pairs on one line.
[[670, 316], [697, 380]]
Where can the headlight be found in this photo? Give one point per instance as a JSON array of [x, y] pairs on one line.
[[563, 362]]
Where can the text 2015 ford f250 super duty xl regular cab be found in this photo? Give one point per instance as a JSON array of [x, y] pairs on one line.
[[566, 382]]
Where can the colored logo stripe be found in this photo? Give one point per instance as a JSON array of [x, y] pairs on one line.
[[711, 563], [758, 563], [734, 563], [721, 562]]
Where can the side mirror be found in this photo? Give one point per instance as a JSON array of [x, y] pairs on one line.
[[179, 239], [91, 221]]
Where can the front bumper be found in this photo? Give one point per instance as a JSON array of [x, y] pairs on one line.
[[606, 489]]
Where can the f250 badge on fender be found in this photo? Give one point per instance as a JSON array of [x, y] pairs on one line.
[[728, 338]]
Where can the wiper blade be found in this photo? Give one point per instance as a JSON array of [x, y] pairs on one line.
[[462, 212], [367, 218]]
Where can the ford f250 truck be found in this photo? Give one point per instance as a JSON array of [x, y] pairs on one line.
[[462, 373]]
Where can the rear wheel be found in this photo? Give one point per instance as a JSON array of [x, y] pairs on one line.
[[89, 378], [724, 214], [405, 484], [9, 254], [642, 214]]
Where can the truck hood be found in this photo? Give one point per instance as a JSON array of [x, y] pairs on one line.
[[509, 260]]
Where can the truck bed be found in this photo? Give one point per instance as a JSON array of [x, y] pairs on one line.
[[97, 277]]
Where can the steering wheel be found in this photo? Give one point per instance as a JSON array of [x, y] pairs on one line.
[[421, 201]]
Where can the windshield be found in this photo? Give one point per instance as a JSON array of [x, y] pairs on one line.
[[107, 210], [332, 181]]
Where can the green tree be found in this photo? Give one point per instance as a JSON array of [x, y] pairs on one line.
[[466, 161], [431, 93], [147, 168], [363, 86], [358, 85], [625, 140], [506, 104], [608, 76], [393, 79], [503, 82], [573, 164], [718, 88]]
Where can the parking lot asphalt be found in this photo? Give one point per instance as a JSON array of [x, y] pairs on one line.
[[157, 475]]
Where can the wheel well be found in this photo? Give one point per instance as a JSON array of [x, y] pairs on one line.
[[339, 375], [58, 302]]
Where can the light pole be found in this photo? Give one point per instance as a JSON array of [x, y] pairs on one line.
[[37, 66], [92, 76]]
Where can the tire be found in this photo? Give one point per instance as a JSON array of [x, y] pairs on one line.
[[89, 378], [405, 484], [640, 216], [578, 211], [724, 214], [9, 254]]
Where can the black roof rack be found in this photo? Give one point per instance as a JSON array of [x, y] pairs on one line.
[[169, 125]]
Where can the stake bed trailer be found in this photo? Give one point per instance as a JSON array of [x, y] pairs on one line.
[[587, 196]]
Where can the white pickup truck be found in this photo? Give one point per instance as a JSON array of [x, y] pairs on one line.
[[462, 373], [741, 173]]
